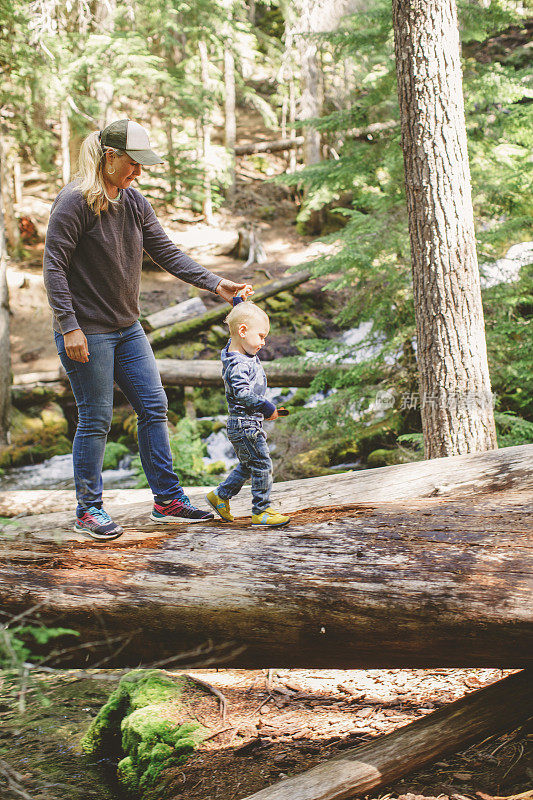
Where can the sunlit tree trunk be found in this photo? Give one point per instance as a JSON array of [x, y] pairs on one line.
[[5, 358], [10, 226], [104, 21], [207, 206], [229, 106], [65, 148], [456, 400]]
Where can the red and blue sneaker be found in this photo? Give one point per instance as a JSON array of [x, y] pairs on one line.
[[179, 510], [97, 524]]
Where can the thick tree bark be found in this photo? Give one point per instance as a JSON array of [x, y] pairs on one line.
[[457, 415], [503, 705], [432, 582]]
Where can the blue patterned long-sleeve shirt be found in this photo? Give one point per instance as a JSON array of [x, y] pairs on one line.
[[245, 383]]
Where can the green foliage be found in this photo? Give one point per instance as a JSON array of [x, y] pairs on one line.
[[138, 722], [364, 189], [187, 456], [114, 453]]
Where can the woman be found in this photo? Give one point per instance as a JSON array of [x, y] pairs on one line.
[[99, 226]]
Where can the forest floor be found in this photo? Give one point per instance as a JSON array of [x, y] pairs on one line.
[[307, 717]]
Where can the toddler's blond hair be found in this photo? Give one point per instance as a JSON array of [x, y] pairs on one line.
[[244, 312]]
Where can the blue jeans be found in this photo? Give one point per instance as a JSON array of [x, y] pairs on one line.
[[249, 442], [124, 356]]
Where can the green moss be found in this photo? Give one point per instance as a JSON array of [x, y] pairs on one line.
[[114, 452], [386, 458], [36, 437], [138, 721]]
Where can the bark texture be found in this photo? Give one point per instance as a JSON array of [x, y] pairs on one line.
[[433, 582], [457, 414]]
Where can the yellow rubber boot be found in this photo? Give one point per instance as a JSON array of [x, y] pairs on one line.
[[220, 505], [269, 519]]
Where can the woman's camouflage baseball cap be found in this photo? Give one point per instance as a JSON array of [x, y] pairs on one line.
[[124, 134]]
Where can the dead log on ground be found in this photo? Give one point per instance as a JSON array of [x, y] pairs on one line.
[[268, 147], [432, 582], [509, 468], [209, 373], [176, 313], [502, 706], [164, 336]]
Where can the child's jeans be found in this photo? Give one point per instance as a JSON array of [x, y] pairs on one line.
[[249, 442]]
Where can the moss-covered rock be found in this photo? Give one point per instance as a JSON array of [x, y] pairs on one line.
[[34, 438], [140, 722], [114, 453], [386, 458]]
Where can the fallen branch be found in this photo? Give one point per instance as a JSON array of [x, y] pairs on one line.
[[496, 708]]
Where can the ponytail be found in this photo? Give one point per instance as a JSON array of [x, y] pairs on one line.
[[89, 178]]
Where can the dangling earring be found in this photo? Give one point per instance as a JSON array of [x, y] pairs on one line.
[[111, 173]]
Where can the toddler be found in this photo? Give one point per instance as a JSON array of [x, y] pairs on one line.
[[245, 385]]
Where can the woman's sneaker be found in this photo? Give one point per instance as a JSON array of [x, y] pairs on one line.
[[220, 505], [269, 519], [179, 510], [97, 524]]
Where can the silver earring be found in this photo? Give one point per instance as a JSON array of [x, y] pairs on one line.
[[111, 173]]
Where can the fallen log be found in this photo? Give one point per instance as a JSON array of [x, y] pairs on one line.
[[164, 336], [268, 147], [454, 476], [209, 373], [174, 372], [432, 582], [176, 313], [502, 706]]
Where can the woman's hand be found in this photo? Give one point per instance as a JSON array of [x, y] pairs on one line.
[[76, 346], [228, 289]]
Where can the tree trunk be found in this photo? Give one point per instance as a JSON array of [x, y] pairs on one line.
[[65, 149], [5, 347], [104, 23], [229, 106], [502, 706], [423, 583], [10, 225], [171, 160], [207, 205], [509, 468], [456, 399]]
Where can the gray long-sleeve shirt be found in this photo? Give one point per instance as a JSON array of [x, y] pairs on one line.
[[92, 263]]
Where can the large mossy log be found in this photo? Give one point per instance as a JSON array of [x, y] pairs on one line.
[[503, 705], [415, 583]]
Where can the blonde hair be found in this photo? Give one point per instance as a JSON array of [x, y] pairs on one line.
[[244, 312], [89, 178]]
